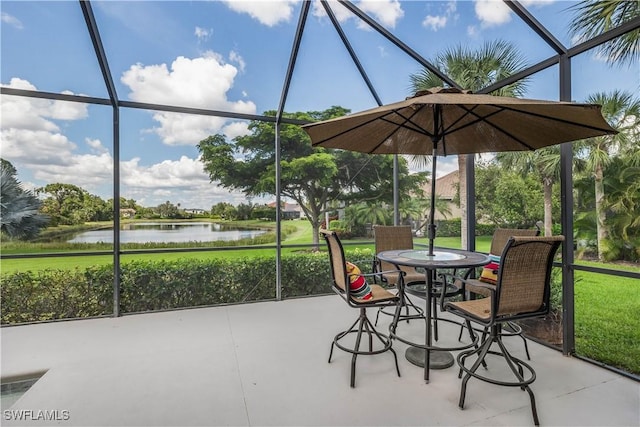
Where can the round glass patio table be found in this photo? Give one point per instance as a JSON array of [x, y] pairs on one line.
[[427, 354]]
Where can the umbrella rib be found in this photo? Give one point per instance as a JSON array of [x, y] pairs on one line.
[[313, 144], [415, 127], [501, 108], [399, 126], [557, 119], [485, 120]]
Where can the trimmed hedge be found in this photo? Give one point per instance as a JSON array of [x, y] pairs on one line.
[[452, 227], [163, 285]]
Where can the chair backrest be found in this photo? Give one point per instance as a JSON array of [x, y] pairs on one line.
[[501, 237], [524, 278], [337, 261], [392, 237]]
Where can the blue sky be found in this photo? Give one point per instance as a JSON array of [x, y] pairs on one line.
[[229, 55]]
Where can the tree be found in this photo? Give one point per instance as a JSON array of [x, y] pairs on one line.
[[245, 210], [412, 208], [69, 204], [312, 177], [622, 206], [224, 210], [594, 17], [372, 213], [622, 112], [8, 167], [545, 163], [623, 202], [19, 209], [168, 210], [509, 199], [63, 201], [474, 70]]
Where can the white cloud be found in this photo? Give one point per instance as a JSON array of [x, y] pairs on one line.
[[181, 181], [34, 143], [386, 12], [446, 165], [434, 22], [96, 145], [269, 13], [383, 51], [202, 34], [537, 3], [186, 129], [11, 20], [201, 82], [235, 129], [34, 113], [451, 7], [492, 12], [168, 174], [496, 12], [439, 21], [29, 136], [88, 171], [36, 148], [341, 13], [235, 57], [472, 31]]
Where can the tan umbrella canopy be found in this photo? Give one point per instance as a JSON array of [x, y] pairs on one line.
[[449, 121]]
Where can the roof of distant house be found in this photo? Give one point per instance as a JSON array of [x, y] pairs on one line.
[[286, 206], [446, 186]]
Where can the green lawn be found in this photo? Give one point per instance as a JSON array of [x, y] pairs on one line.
[[607, 319]]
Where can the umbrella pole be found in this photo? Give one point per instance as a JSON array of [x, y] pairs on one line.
[[431, 228]]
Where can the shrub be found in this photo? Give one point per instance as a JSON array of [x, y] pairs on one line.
[[162, 285], [56, 294]]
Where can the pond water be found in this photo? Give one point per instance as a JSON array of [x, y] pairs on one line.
[[143, 232]]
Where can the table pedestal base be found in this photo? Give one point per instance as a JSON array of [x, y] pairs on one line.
[[437, 359]]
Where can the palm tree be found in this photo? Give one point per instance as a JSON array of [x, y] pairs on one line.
[[19, 215], [372, 213], [594, 17], [546, 163], [409, 209], [474, 70], [623, 201], [622, 111]]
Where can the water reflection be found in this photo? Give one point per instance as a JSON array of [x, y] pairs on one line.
[[158, 232]]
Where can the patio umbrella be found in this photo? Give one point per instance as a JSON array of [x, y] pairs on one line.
[[443, 121]]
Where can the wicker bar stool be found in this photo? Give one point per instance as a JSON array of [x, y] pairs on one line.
[[388, 238], [475, 287], [522, 291], [376, 297]]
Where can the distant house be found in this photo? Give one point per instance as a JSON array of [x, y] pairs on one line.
[[127, 213], [289, 210], [194, 211], [446, 189]]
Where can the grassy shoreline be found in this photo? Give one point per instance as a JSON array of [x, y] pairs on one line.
[[294, 233]]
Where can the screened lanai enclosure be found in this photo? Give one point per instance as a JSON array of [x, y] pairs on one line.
[[157, 150]]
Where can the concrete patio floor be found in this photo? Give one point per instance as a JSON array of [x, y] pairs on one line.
[[265, 364]]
